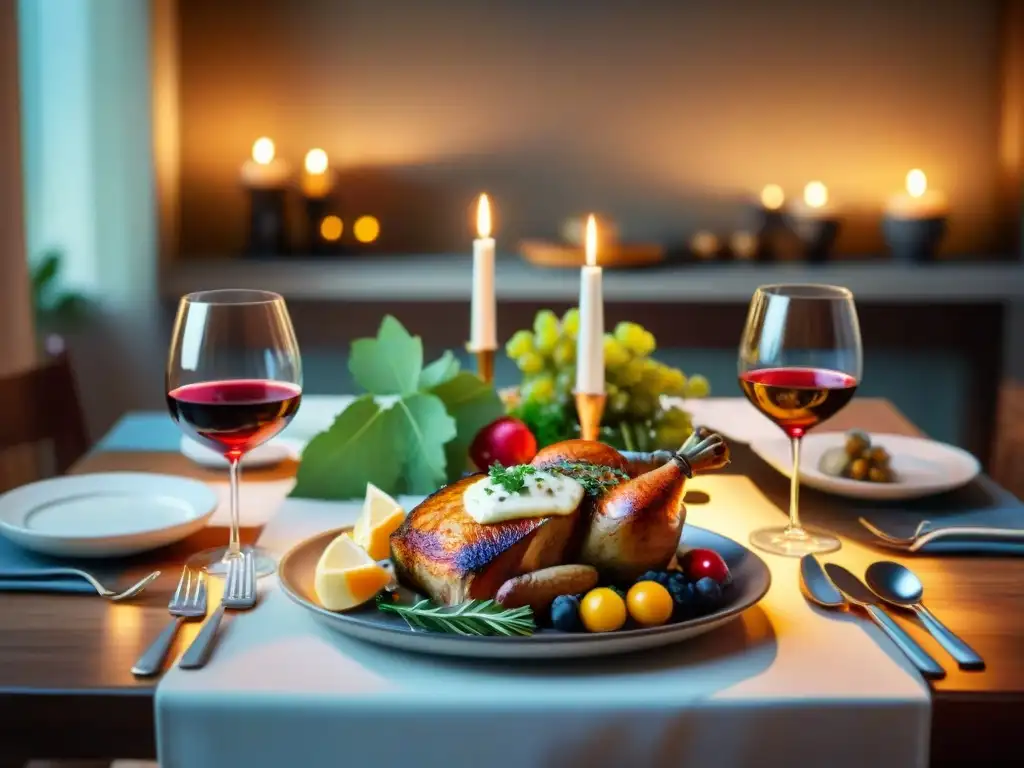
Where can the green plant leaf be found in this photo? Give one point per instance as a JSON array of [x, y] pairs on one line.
[[472, 404], [422, 426], [389, 364], [359, 447], [45, 272], [438, 372]]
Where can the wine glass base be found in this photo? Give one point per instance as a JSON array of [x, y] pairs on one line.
[[794, 542], [215, 562]]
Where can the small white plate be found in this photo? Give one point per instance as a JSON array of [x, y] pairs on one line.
[[105, 514], [922, 467], [270, 453]]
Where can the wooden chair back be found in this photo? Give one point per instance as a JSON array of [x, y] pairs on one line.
[[41, 406]]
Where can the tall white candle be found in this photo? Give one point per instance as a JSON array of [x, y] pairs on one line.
[[590, 343], [483, 332]]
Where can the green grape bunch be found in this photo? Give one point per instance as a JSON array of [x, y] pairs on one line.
[[636, 417]]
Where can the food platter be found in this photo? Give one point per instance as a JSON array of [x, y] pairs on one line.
[[751, 579]]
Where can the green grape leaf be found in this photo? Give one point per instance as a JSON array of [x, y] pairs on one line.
[[422, 426], [358, 448], [438, 372], [473, 405], [389, 364]]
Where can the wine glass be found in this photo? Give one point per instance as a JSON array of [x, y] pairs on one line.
[[799, 364], [234, 380]]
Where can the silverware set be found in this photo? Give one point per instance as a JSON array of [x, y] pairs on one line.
[[189, 603], [834, 587]]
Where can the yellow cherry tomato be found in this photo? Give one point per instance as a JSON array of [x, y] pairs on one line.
[[602, 610], [649, 603]]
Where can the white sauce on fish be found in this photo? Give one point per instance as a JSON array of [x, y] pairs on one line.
[[544, 494]]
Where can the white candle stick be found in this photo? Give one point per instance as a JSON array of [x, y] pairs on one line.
[[590, 344], [264, 170], [483, 334]]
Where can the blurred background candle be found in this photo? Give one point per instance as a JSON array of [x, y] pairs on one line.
[[590, 345], [316, 184], [773, 233], [915, 220], [815, 222], [483, 334], [266, 178]]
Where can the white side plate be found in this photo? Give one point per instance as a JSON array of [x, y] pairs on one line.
[[105, 514], [922, 467]]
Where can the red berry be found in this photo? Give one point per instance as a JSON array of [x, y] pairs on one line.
[[506, 440], [698, 563]]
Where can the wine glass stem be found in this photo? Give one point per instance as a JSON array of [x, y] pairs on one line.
[[234, 470], [794, 489]]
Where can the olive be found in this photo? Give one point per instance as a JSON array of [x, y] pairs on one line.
[[879, 456], [858, 469], [880, 475], [857, 442], [834, 462]]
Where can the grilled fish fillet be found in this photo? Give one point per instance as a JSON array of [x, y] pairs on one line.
[[443, 553]]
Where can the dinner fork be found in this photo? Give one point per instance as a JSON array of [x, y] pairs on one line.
[[924, 533], [51, 573], [239, 594], [187, 604]]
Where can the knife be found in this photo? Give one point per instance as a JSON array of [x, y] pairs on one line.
[[857, 593]]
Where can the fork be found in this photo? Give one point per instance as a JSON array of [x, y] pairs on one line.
[[102, 591], [924, 533], [187, 604], [239, 594]]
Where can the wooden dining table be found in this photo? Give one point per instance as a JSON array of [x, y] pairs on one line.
[[67, 691]]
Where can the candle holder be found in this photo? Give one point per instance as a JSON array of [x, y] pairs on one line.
[[267, 232], [590, 410], [485, 365], [817, 235], [913, 240]]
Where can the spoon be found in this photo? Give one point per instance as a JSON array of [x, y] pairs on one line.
[[899, 586], [816, 585], [856, 593]]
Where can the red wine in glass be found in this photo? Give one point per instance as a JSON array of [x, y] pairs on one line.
[[233, 417], [799, 364], [797, 399], [233, 381]]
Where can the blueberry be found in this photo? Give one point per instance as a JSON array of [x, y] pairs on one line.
[[565, 613], [648, 576], [709, 592], [676, 578], [684, 597], [618, 591]]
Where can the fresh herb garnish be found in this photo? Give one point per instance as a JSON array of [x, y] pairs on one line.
[[595, 478], [489, 491], [476, 617], [512, 479]]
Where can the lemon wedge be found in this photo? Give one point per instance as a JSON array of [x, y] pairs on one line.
[[380, 517], [346, 576]]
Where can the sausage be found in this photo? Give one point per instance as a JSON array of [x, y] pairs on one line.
[[539, 588]]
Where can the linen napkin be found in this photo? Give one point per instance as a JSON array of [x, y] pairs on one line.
[[981, 504], [24, 571]]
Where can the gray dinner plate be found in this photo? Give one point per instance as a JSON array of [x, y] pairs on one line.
[[751, 579]]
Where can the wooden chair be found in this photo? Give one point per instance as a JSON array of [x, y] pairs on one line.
[[41, 406]]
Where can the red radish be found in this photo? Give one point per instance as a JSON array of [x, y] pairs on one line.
[[698, 563], [506, 440]]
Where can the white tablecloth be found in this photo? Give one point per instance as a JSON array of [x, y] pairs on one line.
[[784, 685]]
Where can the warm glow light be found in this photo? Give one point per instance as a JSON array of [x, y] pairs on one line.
[[816, 194], [366, 229], [591, 241], [917, 182], [316, 161], [483, 217], [772, 197], [331, 228], [263, 150]]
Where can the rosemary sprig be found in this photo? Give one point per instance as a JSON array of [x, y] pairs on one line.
[[595, 478], [475, 618]]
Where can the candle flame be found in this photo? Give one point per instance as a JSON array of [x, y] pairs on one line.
[[816, 194], [263, 150], [483, 217], [316, 161], [772, 197], [917, 182], [591, 241]]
